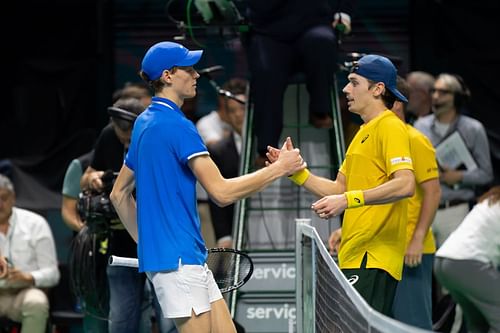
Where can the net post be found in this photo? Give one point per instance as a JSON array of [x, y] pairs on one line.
[[299, 310]]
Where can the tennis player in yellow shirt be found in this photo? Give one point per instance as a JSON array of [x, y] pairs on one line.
[[373, 180], [413, 299]]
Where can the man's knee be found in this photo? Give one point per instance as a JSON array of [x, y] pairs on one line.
[[35, 303]]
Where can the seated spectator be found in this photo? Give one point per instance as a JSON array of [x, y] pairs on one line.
[[28, 245], [286, 37], [467, 264], [213, 128], [226, 155]]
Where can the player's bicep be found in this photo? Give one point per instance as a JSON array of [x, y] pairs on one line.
[[207, 173]]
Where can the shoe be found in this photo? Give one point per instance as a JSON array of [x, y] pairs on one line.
[[321, 120]]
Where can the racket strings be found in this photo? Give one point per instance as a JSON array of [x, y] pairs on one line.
[[230, 269]]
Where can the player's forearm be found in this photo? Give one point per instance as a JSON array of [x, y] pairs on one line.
[[322, 186], [125, 205], [430, 202], [400, 187], [227, 191]]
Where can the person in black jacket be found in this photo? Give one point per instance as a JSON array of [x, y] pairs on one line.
[[126, 285], [286, 37]]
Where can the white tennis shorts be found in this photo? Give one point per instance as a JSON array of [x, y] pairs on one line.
[[190, 288]]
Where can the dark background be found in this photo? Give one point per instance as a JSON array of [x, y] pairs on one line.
[[64, 59]]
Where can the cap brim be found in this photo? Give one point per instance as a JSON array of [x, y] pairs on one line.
[[399, 95], [191, 58]]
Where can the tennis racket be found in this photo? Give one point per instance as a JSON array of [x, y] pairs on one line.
[[231, 268]]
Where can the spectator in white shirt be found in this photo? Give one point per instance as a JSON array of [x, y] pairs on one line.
[[27, 244], [213, 128], [468, 264]]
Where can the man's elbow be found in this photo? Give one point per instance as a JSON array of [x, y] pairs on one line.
[[114, 196], [221, 200], [408, 190]]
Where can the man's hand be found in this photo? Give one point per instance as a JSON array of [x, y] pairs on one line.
[[272, 155], [450, 177], [18, 278], [413, 255], [334, 241], [95, 181], [289, 158], [330, 206], [3, 267]]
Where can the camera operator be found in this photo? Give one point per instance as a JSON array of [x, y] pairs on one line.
[[126, 285]]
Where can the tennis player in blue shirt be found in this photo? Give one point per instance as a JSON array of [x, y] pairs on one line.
[[165, 159]]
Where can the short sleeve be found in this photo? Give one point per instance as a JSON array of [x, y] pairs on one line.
[[71, 185]]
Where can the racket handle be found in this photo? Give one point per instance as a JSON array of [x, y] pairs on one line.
[[123, 261]]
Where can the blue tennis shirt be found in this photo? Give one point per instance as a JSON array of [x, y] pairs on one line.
[[163, 140]]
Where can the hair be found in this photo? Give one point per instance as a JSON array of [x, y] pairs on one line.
[[404, 89], [5, 183], [457, 85], [124, 112], [236, 86], [157, 85], [388, 98], [423, 80], [493, 195], [402, 86], [135, 90]]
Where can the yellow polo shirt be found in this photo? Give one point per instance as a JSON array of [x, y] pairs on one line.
[[425, 165], [380, 148]]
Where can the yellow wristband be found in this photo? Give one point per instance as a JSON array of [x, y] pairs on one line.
[[355, 199], [300, 177]]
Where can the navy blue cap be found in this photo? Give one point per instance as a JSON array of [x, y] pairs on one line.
[[379, 69], [165, 55]]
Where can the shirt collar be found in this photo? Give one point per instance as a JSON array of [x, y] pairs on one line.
[[166, 103]]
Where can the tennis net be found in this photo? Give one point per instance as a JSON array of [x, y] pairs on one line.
[[326, 302]]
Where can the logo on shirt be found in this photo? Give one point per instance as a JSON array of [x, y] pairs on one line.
[[353, 279], [364, 139], [399, 160]]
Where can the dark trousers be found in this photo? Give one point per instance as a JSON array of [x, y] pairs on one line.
[[273, 62], [376, 286]]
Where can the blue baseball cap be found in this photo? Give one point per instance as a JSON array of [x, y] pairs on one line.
[[165, 55], [379, 69]]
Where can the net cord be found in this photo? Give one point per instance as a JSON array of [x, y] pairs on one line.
[[375, 319]]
